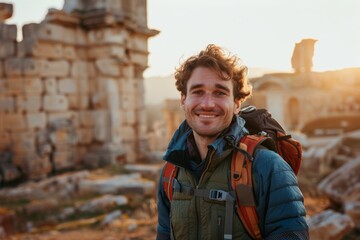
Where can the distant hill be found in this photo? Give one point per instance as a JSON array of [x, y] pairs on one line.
[[159, 88]]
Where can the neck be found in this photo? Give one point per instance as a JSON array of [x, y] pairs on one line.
[[202, 143]]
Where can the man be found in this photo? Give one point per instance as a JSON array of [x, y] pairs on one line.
[[213, 84]]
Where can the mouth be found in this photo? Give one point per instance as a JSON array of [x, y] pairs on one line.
[[207, 116]]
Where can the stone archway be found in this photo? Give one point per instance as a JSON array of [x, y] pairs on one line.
[[293, 110]]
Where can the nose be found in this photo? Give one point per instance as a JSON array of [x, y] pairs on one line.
[[207, 101]]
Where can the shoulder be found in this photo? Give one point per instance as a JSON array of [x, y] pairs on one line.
[[270, 166], [267, 160]]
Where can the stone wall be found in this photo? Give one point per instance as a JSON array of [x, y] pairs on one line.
[[298, 99], [72, 91]]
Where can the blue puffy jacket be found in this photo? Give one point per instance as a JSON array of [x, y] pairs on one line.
[[279, 200]]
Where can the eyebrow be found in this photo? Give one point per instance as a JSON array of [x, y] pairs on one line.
[[223, 87], [195, 86], [216, 85]]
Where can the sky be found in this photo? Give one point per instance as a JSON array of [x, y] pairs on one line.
[[262, 33]]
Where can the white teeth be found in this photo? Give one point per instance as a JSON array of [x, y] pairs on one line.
[[206, 116]]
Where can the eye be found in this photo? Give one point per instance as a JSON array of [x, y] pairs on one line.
[[196, 92], [220, 93]]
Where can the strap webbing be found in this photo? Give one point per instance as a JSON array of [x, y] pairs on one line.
[[241, 179]]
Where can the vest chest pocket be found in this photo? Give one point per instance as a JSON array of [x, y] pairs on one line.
[[217, 224]]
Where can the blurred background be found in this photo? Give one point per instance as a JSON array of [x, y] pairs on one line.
[[88, 105]]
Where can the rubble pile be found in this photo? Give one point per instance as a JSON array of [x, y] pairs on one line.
[[337, 163], [123, 201]]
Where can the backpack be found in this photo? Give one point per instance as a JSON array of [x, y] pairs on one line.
[[263, 131]]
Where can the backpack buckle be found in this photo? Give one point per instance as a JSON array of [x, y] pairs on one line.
[[218, 195]]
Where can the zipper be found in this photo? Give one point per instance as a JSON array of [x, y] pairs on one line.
[[219, 227], [208, 158]]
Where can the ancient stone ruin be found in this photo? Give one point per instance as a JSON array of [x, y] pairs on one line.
[[71, 91], [302, 57]]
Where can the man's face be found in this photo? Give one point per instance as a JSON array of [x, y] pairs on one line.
[[209, 103]]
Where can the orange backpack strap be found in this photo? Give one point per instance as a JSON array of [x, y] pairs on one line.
[[168, 175], [241, 182]]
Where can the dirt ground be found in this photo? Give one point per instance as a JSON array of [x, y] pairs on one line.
[[144, 231], [142, 225]]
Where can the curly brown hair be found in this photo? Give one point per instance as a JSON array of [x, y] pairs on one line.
[[227, 66]]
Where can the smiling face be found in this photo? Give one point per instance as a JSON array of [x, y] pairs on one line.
[[209, 103]]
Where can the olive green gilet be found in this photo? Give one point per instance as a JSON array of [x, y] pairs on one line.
[[195, 218]]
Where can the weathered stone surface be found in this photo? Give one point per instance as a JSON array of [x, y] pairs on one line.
[[14, 121], [139, 58], [129, 116], [103, 203], [35, 167], [108, 36], [127, 101], [8, 32], [108, 67], [127, 133], [139, 43], [29, 31], [13, 66], [116, 51], [101, 123], [84, 135], [43, 206], [7, 49], [111, 217], [129, 74], [32, 67], [119, 184], [50, 32], [344, 182], [70, 53], [36, 120], [79, 69], [62, 186], [50, 85], [63, 159], [23, 141], [33, 86], [56, 68], [29, 103], [154, 169], [5, 140], [78, 101], [81, 37], [55, 103], [329, 225], [352, 209], [7, 104], [43, 49], [1, 75], [67, 64], [67, 85], [318, 158], [69, 116], [87, 118], [15, 85], [62, 18]]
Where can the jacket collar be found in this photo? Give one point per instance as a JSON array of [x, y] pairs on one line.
[[177, 151]]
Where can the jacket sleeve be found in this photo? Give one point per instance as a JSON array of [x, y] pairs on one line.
[[281, 209], [163, 227]]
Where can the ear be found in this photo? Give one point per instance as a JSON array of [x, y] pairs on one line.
[[182, 101], [237, 107]]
